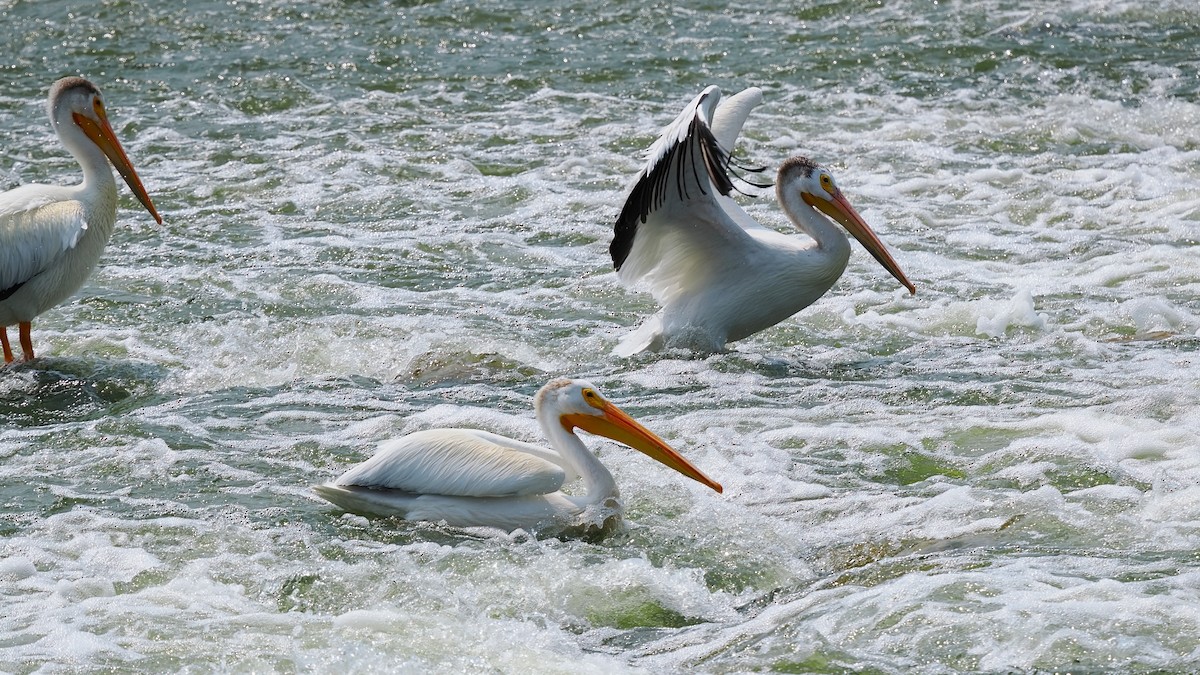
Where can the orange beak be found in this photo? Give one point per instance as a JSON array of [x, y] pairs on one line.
[[105, 138], [615, 424], [840, 210]]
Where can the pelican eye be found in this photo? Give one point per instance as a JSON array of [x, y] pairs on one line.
[[827, 182], [592, 398]]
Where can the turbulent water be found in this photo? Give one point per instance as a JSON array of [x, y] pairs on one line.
[[381, 218]]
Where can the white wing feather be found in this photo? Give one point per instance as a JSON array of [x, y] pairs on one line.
[[678, 226], [727, 125], [731, 115], [38, 223], [458, 462]]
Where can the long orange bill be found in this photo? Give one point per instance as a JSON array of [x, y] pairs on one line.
[[840, 210], [620, 427], [105, 138]]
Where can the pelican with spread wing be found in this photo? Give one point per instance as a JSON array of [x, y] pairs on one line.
[[51, 236], [719, 275]]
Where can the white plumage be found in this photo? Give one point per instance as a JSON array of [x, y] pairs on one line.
[[717, 273], [469, 478], [460, 463], [51, 236]]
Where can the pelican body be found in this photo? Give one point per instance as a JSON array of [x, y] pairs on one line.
[[51, 236], [469, 478], [718, 274]]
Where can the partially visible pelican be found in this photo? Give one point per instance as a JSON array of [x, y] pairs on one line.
[[719, 275], [467, 478], [52, 236]]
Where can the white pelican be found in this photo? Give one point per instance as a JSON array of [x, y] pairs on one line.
[[52, 236], [469, 478], [719, 275]]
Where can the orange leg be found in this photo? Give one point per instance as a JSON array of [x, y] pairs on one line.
[[26, 341], [8, 357]]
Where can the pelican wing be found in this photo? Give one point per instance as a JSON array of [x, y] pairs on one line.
[[726, 126], [37, 225], [731, 115], [458, 462], [678, 224]]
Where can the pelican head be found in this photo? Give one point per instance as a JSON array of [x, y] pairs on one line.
[[579, 404], [77, 114], [818, 189]]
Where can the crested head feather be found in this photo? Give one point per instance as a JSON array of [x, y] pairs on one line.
[[803, 165]]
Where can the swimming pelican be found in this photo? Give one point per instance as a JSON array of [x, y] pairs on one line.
[[51, 236], [470, 478], [719, 275]]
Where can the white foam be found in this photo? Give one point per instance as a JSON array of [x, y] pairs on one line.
[[1019, 312]]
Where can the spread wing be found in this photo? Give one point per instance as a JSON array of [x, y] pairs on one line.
[[678, 223], [38, 223], [461, 463]]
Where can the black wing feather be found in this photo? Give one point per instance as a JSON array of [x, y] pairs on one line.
[[7, 292], [650, 190]]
